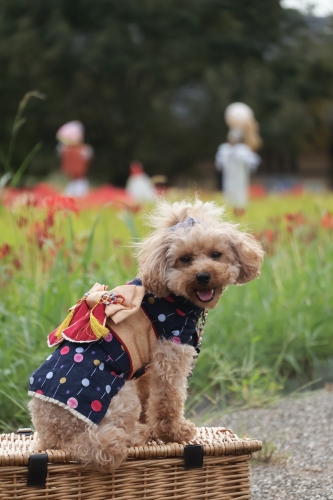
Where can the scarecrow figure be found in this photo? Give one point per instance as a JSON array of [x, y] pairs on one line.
[[237, 158], [75, 157], [139, 184]]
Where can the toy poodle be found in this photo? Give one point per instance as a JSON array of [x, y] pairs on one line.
[[119, 374]]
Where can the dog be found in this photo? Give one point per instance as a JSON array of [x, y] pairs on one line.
[[137, 343]]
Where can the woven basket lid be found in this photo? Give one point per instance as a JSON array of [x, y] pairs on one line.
[[15, 449]]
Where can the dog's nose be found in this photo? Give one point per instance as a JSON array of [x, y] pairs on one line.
[[203, 278]]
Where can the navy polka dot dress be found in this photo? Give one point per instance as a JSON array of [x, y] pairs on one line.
[[83, 377]]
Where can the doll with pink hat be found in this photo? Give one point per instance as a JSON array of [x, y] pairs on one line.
[[75, 157]]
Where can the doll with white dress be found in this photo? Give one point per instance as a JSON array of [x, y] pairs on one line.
[[237, 158]]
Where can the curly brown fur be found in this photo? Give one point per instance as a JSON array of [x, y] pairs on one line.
[[169, 261], [169, 370], [143, 389], [104, 447], [162, 270]]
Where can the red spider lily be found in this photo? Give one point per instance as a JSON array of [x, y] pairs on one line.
[[17, 264], [22, 221], [296, 190], [269, 235], [5, 250], [40, 233], [58, 203], [327, 221], [31, 201], [49, 220], [297, 219]]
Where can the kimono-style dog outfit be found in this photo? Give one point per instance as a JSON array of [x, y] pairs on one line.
[[106, 339]]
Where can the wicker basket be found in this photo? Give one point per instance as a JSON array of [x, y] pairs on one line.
[[217, 468]]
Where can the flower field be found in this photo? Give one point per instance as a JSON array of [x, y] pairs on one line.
[[266, 338]]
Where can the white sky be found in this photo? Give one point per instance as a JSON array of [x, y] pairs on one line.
[[320, 7]]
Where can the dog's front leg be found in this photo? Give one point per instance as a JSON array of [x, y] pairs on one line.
[[168, 374], [143, 390]]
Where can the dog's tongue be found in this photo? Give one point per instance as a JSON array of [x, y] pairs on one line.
[[205, 295]]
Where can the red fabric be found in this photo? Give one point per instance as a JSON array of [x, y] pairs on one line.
[[73, 162], [80, 312], [99, 312], [136, 168], [53, 340], [80, 329]]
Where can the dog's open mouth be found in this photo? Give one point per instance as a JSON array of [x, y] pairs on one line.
[[205, 295]]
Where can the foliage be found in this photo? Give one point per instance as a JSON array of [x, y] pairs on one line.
[[6, 159], [151, 79], [261, 336]]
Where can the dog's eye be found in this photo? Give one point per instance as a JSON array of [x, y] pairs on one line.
[[216, 255], [185, 258]]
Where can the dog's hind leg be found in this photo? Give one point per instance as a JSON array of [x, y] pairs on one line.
[[55, 426], [105, 446], [171, 364]]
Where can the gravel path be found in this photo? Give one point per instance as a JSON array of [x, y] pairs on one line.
[[297, 457]]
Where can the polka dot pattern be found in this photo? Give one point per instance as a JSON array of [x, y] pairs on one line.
[[72, 402], [79, 376], [96, 405], [85, 376], [168, 298]]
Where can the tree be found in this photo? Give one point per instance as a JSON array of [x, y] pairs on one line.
[[151, 79]]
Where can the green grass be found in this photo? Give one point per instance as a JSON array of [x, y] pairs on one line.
[[261, 338]]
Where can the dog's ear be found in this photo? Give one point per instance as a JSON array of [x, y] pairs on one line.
[[152, 259], [249, 253]]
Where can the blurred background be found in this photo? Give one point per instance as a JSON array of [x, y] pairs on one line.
[[151, 81]]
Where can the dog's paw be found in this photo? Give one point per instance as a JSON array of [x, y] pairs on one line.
[[139, 436], [174, 432], [184, 431], [37, 446]]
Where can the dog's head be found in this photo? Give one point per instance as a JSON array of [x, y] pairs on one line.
[[193, 254]]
